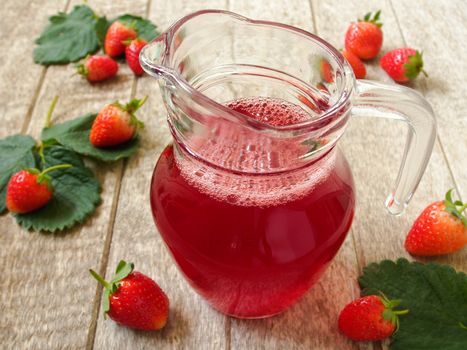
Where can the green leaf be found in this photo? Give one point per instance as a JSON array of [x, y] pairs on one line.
[[123, 270], [68, 37], [74, 134], [101, 27], [76, 194], [145, 28], [16, 153], [374, 20], [106, 302], [436, 296], [414, 65]]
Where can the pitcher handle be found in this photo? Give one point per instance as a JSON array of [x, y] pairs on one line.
[[401, 103]]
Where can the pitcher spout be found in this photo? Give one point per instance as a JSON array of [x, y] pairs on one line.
[[152, 57]]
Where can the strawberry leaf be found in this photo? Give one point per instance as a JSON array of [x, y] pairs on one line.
[[452, 207], [16, 153], [414, 66], [123, 270], [76, 193], [436, 296], [106, 301], [68, 37], [74, 134], [146, 29], [374, 20], [101, 27]]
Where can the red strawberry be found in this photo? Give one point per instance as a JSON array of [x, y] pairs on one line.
[[115, 38], [357, 65], [365, 38], [98, 68], [326, 70], [370, 318], [440, 229], [403, 64], [132, 55], [30, 189], [116, 124], [133, 299]]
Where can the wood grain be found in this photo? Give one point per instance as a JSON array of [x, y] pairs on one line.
[[374, 149], [443, 44], [192, 323], [47, 290], [296, 328], [19, 82], [48, 299], [20, 78]]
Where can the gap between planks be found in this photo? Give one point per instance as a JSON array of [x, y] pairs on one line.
[[354, 245], [108, 239], [373, 345], [107, 244], [35, 96], [423, 89]]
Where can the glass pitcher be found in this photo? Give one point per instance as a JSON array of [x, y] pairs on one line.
[[253, 198]]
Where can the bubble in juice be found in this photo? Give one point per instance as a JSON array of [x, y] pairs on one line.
[[252, 244]]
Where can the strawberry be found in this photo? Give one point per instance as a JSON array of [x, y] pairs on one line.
[[365, 37], [307, 102], [30, 189], [403, 64], [98, 68], [132, 55], [370, 318], [441, 228], [116, 124], [326, 71], [357, 66], [117, 34], [133, 299]]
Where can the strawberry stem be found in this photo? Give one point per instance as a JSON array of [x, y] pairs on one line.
[[135, 104], [132, 24], [101, 280], [40, 150], [401, 312], [455, 208], [48, 117], [42, 176], [123, 270], [132, 106], [55, 167], [127, 42]]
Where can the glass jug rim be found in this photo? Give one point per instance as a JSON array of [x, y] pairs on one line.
[[345, 86]]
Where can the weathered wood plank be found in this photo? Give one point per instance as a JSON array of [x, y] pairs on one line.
[[19, 76], [439, 30], [312, 322], [47, 293], [192, 323], [19, 80], [374, 149]]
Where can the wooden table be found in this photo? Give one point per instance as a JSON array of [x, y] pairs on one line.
[[48, 299]]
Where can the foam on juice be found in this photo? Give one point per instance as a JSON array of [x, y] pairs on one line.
[[272, 111], [261, 153]]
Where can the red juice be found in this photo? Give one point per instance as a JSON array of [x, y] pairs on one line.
[[252, 244]]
